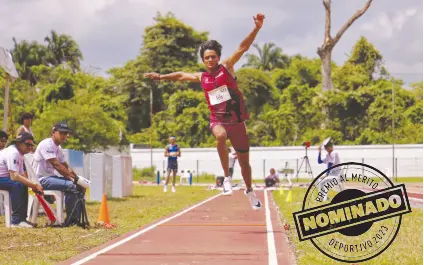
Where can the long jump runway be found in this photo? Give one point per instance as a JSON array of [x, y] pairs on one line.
[[220, 230]]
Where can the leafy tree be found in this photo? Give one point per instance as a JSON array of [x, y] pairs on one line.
[[63, 49], [257, 89], [417, 90], [27, 54], [281, 78], [287, 104], [168, 46], [305, 72], [92, 128], [269, 57], [368, 57]]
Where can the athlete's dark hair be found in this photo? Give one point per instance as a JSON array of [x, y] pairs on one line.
[[210, 45]]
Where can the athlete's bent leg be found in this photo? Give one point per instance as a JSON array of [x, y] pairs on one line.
[[246, 170], [240, 141], [221, 136]]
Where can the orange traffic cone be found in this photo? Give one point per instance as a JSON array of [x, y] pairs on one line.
[[104, 219]]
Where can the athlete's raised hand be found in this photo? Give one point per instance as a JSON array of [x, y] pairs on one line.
[[259, 20], [154, 76]]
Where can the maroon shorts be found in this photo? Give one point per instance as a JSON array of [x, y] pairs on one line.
[[237, 133]]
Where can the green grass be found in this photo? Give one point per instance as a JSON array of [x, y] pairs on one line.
[[52, 245], [407, 249], [408, 180], [395, 180]]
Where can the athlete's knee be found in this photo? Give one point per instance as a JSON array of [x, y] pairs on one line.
[[244, 164], [221, 137]]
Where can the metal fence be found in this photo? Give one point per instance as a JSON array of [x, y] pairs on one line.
[[403, 167]]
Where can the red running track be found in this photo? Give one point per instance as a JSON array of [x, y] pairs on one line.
[[224, 230]]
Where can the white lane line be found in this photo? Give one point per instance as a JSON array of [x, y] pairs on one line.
[[272, 254], [92, 256]]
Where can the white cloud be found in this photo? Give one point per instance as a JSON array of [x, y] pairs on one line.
[[109, 32]]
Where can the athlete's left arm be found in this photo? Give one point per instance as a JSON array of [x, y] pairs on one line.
[[179, 151], [245, 44]]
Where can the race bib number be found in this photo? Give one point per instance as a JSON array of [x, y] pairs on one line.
[[219, 95]]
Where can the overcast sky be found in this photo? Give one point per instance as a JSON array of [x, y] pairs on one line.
[[109, 32]]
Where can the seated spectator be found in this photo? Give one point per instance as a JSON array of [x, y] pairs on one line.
[[3, 140], [49, 157], [272, 179], [12, 178]]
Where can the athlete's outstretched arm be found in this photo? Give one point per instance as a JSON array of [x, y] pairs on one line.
[[177, 76], [245, 44]]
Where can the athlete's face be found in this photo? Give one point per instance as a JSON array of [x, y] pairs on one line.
[[210, 59], [172, 140], [329, 149]]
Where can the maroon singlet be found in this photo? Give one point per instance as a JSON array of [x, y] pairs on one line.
[[228, 112]]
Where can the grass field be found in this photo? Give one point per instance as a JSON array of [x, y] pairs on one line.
[[407, 249], [51, 245]]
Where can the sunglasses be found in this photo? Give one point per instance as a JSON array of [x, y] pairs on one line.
[[29, 144]]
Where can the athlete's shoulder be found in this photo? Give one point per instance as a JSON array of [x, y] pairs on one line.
[[228, 71]]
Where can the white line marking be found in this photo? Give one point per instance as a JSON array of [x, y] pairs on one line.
[[272, 254], [415, 199], [92, 256]]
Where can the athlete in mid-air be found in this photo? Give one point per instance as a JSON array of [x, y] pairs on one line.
[[226, 104]]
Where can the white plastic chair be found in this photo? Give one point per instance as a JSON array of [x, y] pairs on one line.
[[7, 205], [33, 202], [286, 173], [185, 176]]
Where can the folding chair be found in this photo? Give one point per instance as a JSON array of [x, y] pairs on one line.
[[34, 204]]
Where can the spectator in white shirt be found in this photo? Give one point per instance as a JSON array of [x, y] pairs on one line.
[[3, 140], [12, 177], [332, 158], [272, 179], [48, 157]]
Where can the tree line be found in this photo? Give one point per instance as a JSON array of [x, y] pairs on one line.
[[284, 94]]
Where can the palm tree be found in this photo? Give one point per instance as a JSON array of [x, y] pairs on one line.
[[63, 49], [26, 54], [270, 57]]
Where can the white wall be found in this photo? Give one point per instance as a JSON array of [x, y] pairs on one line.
[[409, 159]]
